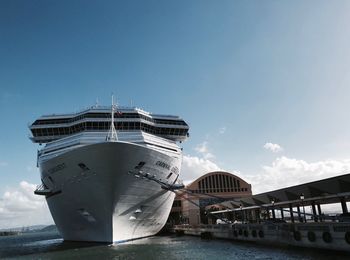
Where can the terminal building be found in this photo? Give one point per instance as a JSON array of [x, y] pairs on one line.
[[193, 204], [313, 215]]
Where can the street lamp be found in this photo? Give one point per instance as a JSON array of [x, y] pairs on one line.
[[240, 207], [273, 209], [302, 197]]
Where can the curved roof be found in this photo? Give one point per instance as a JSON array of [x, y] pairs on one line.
[[216, 172]]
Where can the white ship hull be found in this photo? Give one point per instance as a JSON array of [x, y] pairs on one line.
[[94, 197]]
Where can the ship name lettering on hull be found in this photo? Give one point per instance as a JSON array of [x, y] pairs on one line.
[[163, 165]]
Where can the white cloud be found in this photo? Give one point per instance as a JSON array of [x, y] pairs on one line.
[[275, 148], [222, 130], [20, 207], [285, 172], [202, 148], [204, 151], [194, 167]]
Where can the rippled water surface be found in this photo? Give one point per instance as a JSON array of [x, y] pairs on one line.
[[51, 246]]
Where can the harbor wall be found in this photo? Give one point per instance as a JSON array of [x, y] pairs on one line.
[[331, 236]]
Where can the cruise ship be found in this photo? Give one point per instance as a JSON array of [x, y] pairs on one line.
[[109, 182]]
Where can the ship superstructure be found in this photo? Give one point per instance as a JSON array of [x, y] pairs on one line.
[[101, 181]]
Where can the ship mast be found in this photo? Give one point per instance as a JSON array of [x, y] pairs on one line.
[[112, 133]]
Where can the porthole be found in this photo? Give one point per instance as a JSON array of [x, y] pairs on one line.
[[327, 237]]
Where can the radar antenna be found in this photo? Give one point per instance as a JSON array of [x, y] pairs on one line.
[[112, 134]]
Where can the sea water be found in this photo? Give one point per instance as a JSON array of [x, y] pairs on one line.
[[51, 246]]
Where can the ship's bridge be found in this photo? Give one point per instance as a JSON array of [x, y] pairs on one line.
[[53, 127]]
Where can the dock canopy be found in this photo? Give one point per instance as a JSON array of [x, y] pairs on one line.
[[331, 190]]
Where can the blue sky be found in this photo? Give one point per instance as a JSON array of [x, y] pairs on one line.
[[241, 73]]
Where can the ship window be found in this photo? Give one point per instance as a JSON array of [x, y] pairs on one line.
[[169, 175], [55, 131]]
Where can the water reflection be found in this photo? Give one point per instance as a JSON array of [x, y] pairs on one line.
[[36, 243], [51, 246]]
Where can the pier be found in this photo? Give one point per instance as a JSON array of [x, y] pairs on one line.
[[289, 216]]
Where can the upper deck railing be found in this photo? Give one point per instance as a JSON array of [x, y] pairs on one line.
[[108, 109]]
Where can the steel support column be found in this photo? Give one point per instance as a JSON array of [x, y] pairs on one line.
[[319, 211], [299, 214], [282, 213], [291, 213], [314, 213], [343, 205]]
